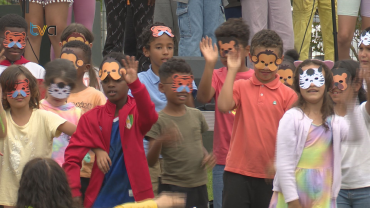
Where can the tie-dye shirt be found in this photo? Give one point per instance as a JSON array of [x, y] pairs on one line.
[[314, 173], [72, 114]]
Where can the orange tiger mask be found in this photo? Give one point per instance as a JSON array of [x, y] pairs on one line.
[[21, 87], [160, 30], [14, 38], [181, 82], [113, 68]]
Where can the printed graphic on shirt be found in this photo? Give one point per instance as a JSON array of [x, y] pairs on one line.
[[129, 121], [83, 105]]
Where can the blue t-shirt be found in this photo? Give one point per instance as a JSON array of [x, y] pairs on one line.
[[151, 82], [116, 188]]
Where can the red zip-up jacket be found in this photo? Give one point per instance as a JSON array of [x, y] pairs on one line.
[[94, 131]]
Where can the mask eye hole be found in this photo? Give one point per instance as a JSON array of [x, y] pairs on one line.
[[289, 77]]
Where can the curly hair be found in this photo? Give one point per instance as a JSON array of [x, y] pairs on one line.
[[234, 27], [172, 66], [12, 20], [77, 27], [327, 105], [44, 184], [60, 68], [146, 37], [267, 39], [8, 79]]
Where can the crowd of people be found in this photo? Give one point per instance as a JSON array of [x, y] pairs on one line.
[[287, 133]]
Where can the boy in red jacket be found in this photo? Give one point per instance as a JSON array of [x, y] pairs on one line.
[[114, 131]]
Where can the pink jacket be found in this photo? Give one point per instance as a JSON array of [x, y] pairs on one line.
[[291, 138]]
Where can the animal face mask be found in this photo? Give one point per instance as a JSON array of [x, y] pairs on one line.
[[59, 90], [14, 38], [226, 45], [365, 38], [286, 75], [341, 78], [160, 30], [76, 36], [21, 87], [266, 59], [181, 82], [309, 76], [70, 55], [113, 68]]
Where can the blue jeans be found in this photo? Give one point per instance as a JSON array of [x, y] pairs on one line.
[[218, 185], [354, 198], [233, 12], [197, 19]]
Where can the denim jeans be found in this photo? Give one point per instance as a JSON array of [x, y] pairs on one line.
[[354, 198], [218, 185], [198, 19], [233, 12]]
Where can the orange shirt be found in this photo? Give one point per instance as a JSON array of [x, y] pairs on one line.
[[259, 108]]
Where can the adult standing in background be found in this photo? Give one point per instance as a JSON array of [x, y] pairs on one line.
[[116, 12], [233, 9], [347, 16], [198, 19], [269, 14], [303, 13]]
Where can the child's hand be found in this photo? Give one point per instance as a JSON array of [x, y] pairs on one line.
[[365, 74], [170, 136], [77, 202], [234, 61], [209, 161], [210, 53], [169, 200], [103, 160], [131, 67]]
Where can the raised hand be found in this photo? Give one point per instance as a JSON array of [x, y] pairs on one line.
[[234, 61], [131, 67], [210, 53]]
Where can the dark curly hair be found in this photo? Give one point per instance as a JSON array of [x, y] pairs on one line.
[[44, 184], [60, 68], [10, 76], [12, 20], [172, 66], [327, 105], [267, 39], [77, 27], [353, 67], [234, 27], [146, 37]]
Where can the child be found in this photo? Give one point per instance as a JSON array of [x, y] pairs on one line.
[[29, 130], [308, 152], [81, 96], [60, 78], [260, 102], [355, 159], [118, 125], [159, 48], [182, 170], [13, 26], [79, 32], [46, 173], [287, 67], [231, 32]]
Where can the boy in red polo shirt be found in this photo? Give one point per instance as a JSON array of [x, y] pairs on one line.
[[260, 102]]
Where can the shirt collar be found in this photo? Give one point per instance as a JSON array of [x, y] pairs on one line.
[[21, 61], [274, 84], [153, 77]]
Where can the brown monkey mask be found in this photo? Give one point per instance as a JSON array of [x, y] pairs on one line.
[[70, 55], [286, 75], [75, 36], [266, 59], [341, 78], [227, 44], [113, 68]]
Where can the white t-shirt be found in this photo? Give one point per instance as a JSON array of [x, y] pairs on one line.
[[356, 158], [36, 70]]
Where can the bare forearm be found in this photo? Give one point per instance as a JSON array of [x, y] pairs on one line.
[[225, 100], [205, 85], [3, 126], [154, 152]]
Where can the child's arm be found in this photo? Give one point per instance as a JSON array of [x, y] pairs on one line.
[[67, 128], [146, 108], [205, 90], [165, 200], [102, 159], [365, 74], [3, 127], [226, 101], [154, 151]]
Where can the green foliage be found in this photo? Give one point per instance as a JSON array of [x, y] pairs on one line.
[[4, 2], [209, 185]]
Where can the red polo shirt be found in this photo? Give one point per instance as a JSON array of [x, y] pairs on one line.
[[259, 108]]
